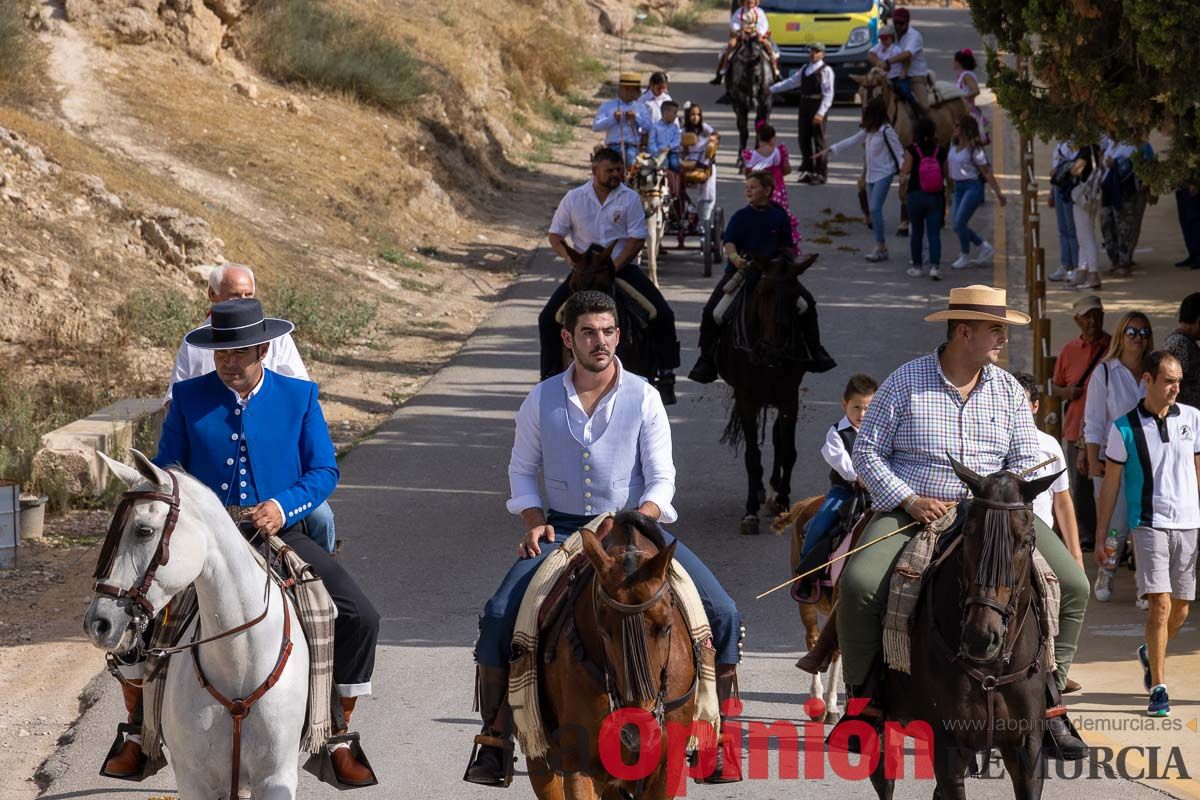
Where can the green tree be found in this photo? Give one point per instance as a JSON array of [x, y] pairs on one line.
[[1122, 67]]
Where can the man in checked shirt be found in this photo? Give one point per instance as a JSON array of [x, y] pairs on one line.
[[955, 402]]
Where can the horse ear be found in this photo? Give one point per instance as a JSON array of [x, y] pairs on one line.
[[601, 561], [127, 474], [148, 470], [660, 564], [861, 80], [608, 251], [968, 476], [1034, 488], [573, 255]]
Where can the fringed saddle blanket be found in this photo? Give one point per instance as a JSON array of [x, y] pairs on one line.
[[523, 673], [905, 591], [316, 612]]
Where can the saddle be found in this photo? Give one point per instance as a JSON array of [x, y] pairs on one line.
[[852, 517]]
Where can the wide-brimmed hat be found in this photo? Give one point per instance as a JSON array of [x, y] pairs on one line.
[[979, 302], [235, 324], [630, 79]]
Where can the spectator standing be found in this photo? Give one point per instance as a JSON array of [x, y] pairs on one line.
[[1085, 205], [1181, 343], [1114, 388], [1072, 371], [1118, 204], [1187, 203], [815, 82], [1060, 201], [969, 170], [1155, 448], [1054, 503], [883, 154], [968, 83], [925, 170]]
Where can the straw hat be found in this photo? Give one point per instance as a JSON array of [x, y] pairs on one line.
[[630, 79], [979, 302]]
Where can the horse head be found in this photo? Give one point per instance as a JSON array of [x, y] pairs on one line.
[[872, 84], [634, 606], [997, 552], [772, 309], [592, 269], [154, 549]]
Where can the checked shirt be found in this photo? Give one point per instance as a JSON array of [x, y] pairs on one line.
[[918, 419]]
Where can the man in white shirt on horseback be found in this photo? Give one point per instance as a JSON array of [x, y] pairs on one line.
[[599, 439], [603, 212]]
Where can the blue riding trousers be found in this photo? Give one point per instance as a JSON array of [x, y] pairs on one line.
[[826, 517], [499, 619], [321, 528]]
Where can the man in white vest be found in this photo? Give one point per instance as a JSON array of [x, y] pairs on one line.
[[599, 438]]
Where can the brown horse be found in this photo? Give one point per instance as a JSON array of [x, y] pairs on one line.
[[944, 115], [978, 647], [813, 615], [593, 269], [627, 645], [758, 357]]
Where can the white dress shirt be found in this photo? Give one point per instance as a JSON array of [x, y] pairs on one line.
[[913, 42], [1043, 504], [880, 163], [835, 453], [793, 81], [658, 466], [653, 105], [192, 362], [583, 219], [1112, 392], [886, 52]]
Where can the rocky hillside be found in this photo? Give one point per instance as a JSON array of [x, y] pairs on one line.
[[381, 164]]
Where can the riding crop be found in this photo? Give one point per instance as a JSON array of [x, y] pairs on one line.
[[838, 558]]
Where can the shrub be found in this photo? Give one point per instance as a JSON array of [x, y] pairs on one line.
[[161, 316], [14, 40], [320, 320], [309, 42]]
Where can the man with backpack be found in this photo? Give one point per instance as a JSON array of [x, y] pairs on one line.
[[1072, 370]]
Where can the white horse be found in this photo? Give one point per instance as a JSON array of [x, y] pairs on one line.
[[207, 549], [656, 200]]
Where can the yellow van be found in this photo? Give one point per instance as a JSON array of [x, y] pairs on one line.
[[847, 28]]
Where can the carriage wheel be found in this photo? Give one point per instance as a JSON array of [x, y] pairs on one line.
[[718, 228]]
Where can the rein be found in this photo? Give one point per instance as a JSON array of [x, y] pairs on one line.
[[989, 681]]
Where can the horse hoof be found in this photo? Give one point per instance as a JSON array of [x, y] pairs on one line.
[[777, 504], [831, 718], [749, 526]]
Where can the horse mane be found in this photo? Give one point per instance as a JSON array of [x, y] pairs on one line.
[[996, 566]]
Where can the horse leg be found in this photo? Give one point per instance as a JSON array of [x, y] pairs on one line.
[[754, 471], [1026, 768], [652, 247], [885, 786], [743, 126], [578, 786], [547, 784], [783, 441], [949, 767], [812, 632], [833, 708], [902, 196], [277, 787]]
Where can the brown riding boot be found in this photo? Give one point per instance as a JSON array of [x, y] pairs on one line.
[[729, 764], [492, 756], [817, 660], [349, 770], [129, 761]]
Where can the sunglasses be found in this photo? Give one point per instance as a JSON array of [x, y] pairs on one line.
[[1142, 332]]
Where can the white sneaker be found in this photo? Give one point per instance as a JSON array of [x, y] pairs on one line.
[[913, 271], [1142, 603], [935, 272], [986, 251], [1073, 275], [1060, 274], [962, 262], [1103, 587], [877, 255], [1089, 280]]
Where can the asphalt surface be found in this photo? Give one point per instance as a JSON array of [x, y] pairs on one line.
[[421, 503]]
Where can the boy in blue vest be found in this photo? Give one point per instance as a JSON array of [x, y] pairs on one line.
[[843, 481]]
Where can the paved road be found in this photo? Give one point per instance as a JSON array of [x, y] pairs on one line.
[[422, 501]]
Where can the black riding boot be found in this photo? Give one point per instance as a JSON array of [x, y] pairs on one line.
[[818, 359], [665, 384], [705, 370], [729, 765], [492, 757], [864, 699], [1061, 740]]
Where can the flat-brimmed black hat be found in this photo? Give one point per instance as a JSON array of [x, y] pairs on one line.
[[235, 324]]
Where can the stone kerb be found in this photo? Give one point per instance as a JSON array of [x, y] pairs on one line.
[[67, 457]]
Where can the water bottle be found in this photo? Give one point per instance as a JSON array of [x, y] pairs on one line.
[[1111, 547]]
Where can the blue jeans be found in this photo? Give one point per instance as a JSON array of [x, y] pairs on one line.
[[826, 517], [1068, 244], [877, 193], [320, 527], [926, 213], [673, 162], [903, 87], [499, 619], [967, 197], [631, 151]]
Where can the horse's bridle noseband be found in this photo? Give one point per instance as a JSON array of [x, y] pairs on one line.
[[141, 608]]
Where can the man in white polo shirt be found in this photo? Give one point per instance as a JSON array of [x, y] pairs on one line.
[[1157, 448], [603, 212]]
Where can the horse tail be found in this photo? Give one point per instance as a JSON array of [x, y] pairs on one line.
[[806, 509], [734, 434]]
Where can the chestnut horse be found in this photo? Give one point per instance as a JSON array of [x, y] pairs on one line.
[[626, 645], [978, 671]]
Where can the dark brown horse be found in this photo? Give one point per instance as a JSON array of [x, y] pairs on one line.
[[979, 645], [626, 645], [758, 358], [593, 269], [748, 82]]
